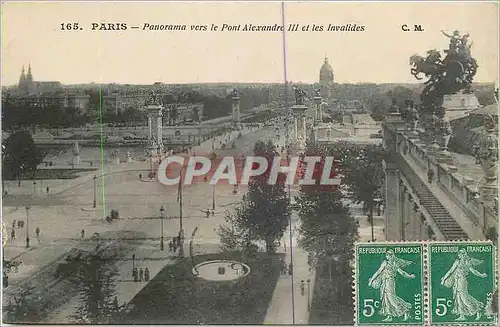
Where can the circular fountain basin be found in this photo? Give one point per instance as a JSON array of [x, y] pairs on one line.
[[221, 270]]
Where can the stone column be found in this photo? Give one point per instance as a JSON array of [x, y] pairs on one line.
[[159, 130], [402, 211], [304, 128], [150, 126], [318, 117], [410, 219], [236, 110], [415, 221], [314, 135], [295, 129], [392, 206]]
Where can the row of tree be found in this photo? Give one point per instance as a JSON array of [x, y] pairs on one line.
[[263, 215], [95, 281], [16, 113], [328, 231]]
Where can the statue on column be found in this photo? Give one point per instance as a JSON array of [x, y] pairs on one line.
[[317, 93], [155, 99], [235, 93], [299, 95]]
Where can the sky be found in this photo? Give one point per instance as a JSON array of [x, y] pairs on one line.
[[31, 34]]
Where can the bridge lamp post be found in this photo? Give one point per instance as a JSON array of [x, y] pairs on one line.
[[162, 216], [95, 191], [376, 202], [27, 226]]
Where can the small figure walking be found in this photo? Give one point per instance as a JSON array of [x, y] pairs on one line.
[[170, 246], [208, 213], [290, 269], [135, 274], [141, 275], [302, 287], [146, 275], [47, 189], [14, 224], [140, 176], [13, 234], [37, 232], [83, 233]]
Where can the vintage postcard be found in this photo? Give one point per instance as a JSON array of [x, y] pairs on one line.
[[249, 162]]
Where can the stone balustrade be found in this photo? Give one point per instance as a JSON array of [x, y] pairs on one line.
[[461, 188]]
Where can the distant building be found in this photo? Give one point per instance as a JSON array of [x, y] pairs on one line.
[[28, 86], [180, 112], [347, 105], [42, 94], [112, 103], [326, 79]]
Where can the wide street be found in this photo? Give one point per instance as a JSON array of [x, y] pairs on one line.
[[68, 210]]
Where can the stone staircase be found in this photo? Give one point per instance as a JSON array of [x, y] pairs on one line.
[[447, 225]]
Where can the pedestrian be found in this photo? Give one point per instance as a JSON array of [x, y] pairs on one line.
[[290, 269], [174, 242], [136, 275], [5, 280], [208, 213], [140, 176], [146, 275], [13, 234], [141, 275], [302, 287], [115, 302], [14, 224], [83, 233], [170, 246], [47, 189], [284, 244], [37, 232]]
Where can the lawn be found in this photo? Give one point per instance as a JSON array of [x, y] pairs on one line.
[[176, 296]]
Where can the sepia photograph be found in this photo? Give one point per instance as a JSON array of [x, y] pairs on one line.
[[249, 163]]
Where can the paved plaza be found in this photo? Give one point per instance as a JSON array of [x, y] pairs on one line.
[[67, 210]]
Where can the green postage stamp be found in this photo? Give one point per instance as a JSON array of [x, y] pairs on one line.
[[462, 283], [389, 284]]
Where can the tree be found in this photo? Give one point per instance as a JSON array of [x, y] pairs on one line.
[[20, 155], [95, 282], [23, 308], [264, 213], [362, 171], [328, 232]]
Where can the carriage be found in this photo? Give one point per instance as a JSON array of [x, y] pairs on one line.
[[8, 265]]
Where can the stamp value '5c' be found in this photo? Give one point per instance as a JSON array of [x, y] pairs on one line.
[[389, 284], [461, 283]]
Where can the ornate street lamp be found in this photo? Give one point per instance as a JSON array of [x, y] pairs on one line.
[[95, 191], [27, 226], [162, 215]]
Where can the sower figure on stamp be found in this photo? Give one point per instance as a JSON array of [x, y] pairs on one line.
[[384, 279], [456, 278]]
